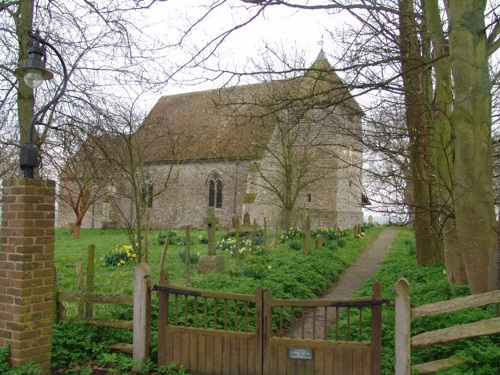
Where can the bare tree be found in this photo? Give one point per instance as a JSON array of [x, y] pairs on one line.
[[298, 135], [102, 47], [134, 184]]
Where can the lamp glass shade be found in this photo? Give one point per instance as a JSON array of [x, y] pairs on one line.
[[33, 78]]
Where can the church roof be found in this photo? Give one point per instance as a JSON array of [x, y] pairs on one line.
[[233, 122]]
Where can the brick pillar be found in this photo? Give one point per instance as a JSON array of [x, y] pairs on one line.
[[27, 270]]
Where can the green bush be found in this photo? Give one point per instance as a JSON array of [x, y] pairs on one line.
[[6, 369], [193, 258], [254, 271], [162, 236], [295, 244]]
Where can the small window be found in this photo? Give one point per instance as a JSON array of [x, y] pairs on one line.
[[215, 191], [309, 197]]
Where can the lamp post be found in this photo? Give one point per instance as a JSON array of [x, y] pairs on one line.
[[34, 73]]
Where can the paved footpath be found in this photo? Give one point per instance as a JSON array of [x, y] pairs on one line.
[[352, 279]]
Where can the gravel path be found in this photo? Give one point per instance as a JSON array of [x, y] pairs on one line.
[[352, 279]]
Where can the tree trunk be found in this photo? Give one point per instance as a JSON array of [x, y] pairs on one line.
[[426, 238], [454, 263], [442, 145], [471, 120], [77, 227]]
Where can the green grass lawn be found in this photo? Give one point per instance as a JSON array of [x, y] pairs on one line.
[[113, 279]]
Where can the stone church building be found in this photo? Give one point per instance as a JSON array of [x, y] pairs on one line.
[[274, 150]]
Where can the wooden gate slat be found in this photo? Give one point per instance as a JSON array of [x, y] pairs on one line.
[[346, 361], [357, 361], [202, 359], [184, 344], [328, 361], [338, 361], [235, 348], [366, 362], [243, 358], [217, 355], [226, 356], [319, 361], [193, 350], [209, 341]]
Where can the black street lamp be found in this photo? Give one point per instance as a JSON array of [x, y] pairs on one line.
[[34, 73]]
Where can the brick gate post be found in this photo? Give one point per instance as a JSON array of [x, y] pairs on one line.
[[27, 270]]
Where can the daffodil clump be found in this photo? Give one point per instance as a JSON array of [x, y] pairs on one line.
[[120, 256], [202, 239], [229, 245], [293, 233]]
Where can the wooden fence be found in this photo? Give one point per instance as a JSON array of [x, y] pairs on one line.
[[404, 340], [86, 297]]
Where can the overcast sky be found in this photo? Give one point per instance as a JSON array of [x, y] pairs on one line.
[[296, 30]]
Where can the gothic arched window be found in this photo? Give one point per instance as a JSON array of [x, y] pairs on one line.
[[215, 190]]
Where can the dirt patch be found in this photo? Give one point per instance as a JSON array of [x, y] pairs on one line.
[[352, 279]]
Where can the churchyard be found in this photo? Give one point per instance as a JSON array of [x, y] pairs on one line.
[[291, 274], [281, 266]]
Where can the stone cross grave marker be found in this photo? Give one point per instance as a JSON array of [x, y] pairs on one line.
[[211, 220]]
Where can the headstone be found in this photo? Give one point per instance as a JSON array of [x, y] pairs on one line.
[[210, 263], [246, 220], [236, 221], [211, 220], [319, 242], [370, 219]]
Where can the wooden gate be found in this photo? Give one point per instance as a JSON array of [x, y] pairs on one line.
[[225, 333]]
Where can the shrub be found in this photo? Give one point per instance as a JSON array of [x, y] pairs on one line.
[[193, 258], [341, 242], [162, 236], [254, 271], [6, 369], [120, 256], [295, 244]]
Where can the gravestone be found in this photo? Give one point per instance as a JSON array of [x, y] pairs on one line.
[[211, 220], [319, 242], [246, 229], [246, 220], [212, 262]]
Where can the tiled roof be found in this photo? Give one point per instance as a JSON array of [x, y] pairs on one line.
[[229, 122]]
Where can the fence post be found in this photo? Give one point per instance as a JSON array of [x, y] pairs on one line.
[[142, 313], [89, 307], [259, 331], [403, 327], [163, 308], [81, 288], [376, 351]]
